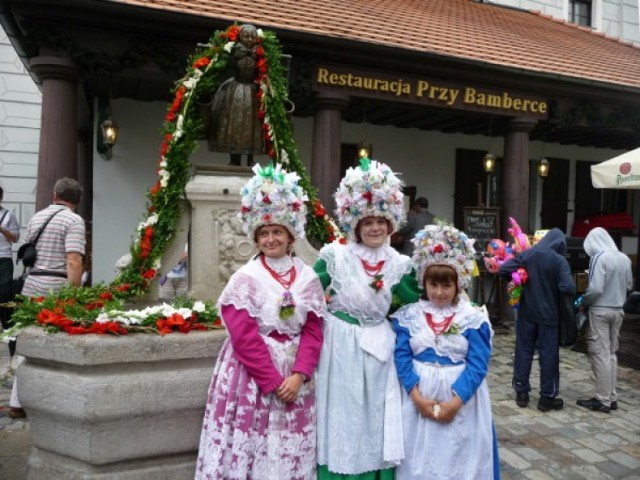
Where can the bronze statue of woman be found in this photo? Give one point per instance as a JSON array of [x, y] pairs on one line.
[[235, 127]]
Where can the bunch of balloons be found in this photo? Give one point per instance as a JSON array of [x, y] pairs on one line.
[[499, 251]]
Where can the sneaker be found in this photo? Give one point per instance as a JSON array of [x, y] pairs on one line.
[[613, 406], [550, 403], [15, 412], [595, 405], [522, 399]]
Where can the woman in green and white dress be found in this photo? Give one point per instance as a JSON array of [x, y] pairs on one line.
[[358, 392]]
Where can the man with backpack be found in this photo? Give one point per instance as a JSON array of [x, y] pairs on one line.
[[59, 237]]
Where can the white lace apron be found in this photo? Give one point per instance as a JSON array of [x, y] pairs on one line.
[[359, 418], [463, 448]]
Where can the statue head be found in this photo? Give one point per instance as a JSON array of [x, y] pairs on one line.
[[248, 36]]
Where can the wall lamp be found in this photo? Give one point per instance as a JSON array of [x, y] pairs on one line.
[[543, 168], [489, 162], [107, 134], [364, 150]]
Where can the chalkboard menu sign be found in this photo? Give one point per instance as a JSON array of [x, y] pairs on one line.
[[483, 224]]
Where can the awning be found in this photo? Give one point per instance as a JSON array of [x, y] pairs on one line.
[[621, 172]]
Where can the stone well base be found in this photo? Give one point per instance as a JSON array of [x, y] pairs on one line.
[[104, 407]]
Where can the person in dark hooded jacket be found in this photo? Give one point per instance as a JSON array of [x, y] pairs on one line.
[[549, 277]]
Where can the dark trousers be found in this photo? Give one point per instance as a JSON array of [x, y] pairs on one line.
[[6, 276], [546, 338]]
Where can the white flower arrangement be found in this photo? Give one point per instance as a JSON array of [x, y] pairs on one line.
[[370, 190], [136, 317], [273, 197], [444, 245]]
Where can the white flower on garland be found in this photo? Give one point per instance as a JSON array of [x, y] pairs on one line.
[[229, 46], [199, 307], [164, 178], [260, 33], [190, 83], [151, 220], [179, 123]]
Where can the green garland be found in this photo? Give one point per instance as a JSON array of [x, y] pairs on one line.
[[183, 129], [99, 309]]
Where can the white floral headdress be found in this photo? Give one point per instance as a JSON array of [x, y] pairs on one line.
[[273, 197], [369, 190], [444, 245]]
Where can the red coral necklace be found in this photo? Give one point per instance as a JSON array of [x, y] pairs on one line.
[[372, 270], [280, 278], [439, 327]]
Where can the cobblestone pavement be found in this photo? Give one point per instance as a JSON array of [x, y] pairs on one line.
[[573, 443], [15, 435]]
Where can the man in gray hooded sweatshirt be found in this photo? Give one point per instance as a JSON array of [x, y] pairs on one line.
[[610, 279]]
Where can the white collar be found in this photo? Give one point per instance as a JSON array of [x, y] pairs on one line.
[[429, 307], [371, 255], [280, 265]]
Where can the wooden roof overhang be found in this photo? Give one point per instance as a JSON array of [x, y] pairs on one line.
[[137, 50]]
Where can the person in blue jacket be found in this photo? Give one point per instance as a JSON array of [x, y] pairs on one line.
[[548, 277], [442, 354]]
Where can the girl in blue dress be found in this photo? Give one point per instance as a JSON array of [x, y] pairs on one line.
[[442, 354]]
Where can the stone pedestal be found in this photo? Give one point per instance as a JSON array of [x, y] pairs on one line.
[[105, 407], [218, 245]]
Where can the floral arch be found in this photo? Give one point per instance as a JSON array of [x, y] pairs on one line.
[[96, 309]]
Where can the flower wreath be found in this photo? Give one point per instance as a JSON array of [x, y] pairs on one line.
[[79, 310], [182, 130]]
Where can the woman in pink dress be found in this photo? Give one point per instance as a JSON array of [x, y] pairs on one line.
[[260, 419]]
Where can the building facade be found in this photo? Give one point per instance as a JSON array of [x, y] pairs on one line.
[[615, 18], [20, 102], [468, 77]]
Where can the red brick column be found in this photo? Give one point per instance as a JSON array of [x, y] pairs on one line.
[[325, 159], [516, 174], [57, 155]]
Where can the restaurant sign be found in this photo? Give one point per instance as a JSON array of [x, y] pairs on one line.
[[418, 90]]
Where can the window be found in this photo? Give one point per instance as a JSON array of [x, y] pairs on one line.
[[580, 12]]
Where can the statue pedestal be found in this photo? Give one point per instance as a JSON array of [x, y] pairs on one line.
[[128, 407], [218, 245]]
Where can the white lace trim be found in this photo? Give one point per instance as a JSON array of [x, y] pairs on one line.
[[252, 288], [453, 346], [371, 255], [280, 265], [353, 294]]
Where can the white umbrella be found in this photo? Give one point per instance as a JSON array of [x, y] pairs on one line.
[[621, 172]]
